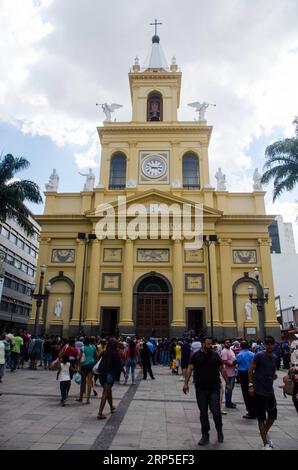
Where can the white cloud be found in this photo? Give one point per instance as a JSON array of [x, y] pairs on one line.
[[58, 58], [89, 158]]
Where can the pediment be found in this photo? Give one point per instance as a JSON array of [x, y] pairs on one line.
[[155, 196]]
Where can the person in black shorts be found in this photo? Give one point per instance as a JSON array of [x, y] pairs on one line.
[[261, 374], [207, 365]]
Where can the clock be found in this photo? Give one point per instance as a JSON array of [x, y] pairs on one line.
[[154, 166]]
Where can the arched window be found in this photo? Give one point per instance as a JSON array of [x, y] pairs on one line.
[[154, 106], [191, 172], [118, 172]]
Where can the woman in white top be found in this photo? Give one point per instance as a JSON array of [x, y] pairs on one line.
[[63, 375]]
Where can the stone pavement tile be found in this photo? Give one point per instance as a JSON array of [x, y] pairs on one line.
[[80, 440], [150, 444], [45, 446], [26, 437], [120, 447], [181, 444], [33, 417], [17, 446], [57, 439], [75, 447], [126, 428]]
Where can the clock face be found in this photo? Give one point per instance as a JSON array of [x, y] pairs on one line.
[[154, 166]]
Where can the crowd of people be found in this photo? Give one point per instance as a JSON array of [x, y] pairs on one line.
[[253, 364]]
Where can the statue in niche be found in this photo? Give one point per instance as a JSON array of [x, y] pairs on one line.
[[248, 309], [58, 308]]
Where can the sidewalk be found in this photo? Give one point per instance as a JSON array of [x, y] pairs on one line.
[[154, 414]]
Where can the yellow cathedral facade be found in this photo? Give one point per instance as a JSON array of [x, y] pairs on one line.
[[139, 284]]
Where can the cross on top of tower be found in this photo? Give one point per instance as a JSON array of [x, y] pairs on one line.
[[155, 24], [155, 37]]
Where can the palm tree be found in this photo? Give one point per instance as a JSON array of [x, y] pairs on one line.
[[282, 164], [13, 193]]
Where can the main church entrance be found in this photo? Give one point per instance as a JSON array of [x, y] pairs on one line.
[[152, 306]]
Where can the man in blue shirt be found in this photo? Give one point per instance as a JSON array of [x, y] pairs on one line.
[[244, 359]]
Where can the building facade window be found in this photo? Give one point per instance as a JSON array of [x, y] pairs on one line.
[[191, 171], [118, 172]]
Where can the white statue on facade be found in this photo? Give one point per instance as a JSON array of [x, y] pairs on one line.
[[176, 184], [58, 307], [108, 109], [201, 108], [131, 184], [248, 311], [257, 180], [90, 180], [221, 180], [53, 183]]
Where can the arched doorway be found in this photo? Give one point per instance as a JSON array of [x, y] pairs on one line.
[[152, 305], [240, 298]]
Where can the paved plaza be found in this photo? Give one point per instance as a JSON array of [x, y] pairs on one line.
[[154, 414]]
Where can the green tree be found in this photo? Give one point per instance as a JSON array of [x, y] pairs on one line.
[[282, 164], [13, 193]]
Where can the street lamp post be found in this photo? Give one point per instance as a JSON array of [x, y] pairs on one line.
[[260, 300], [40, 296], [87, 238], [208, 241]]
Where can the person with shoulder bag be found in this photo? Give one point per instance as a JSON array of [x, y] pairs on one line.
[[290, 386]]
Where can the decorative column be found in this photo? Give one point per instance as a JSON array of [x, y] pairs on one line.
[[93, 284], [267, 280], [226, 282], [127, 286], [78, 282], [178, 287], [214, 282], [204, 167]]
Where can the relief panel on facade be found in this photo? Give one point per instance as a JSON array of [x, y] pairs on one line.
[[194, 282], [153, 255], [63, 256], [111, 281], [244, 256], [112, 255], [194, 256]]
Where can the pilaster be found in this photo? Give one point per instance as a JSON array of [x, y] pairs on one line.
[[78, 280], [178, 287], [94, 279], [214, 284], [226, 281], [127, 285]]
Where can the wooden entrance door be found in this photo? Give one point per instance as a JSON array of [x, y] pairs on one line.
[[109, 321], [195, 320], [152, 314]]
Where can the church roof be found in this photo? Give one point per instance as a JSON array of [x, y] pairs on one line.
[[156, 58]]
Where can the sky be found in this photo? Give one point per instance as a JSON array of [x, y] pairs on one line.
[[61, 57]]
